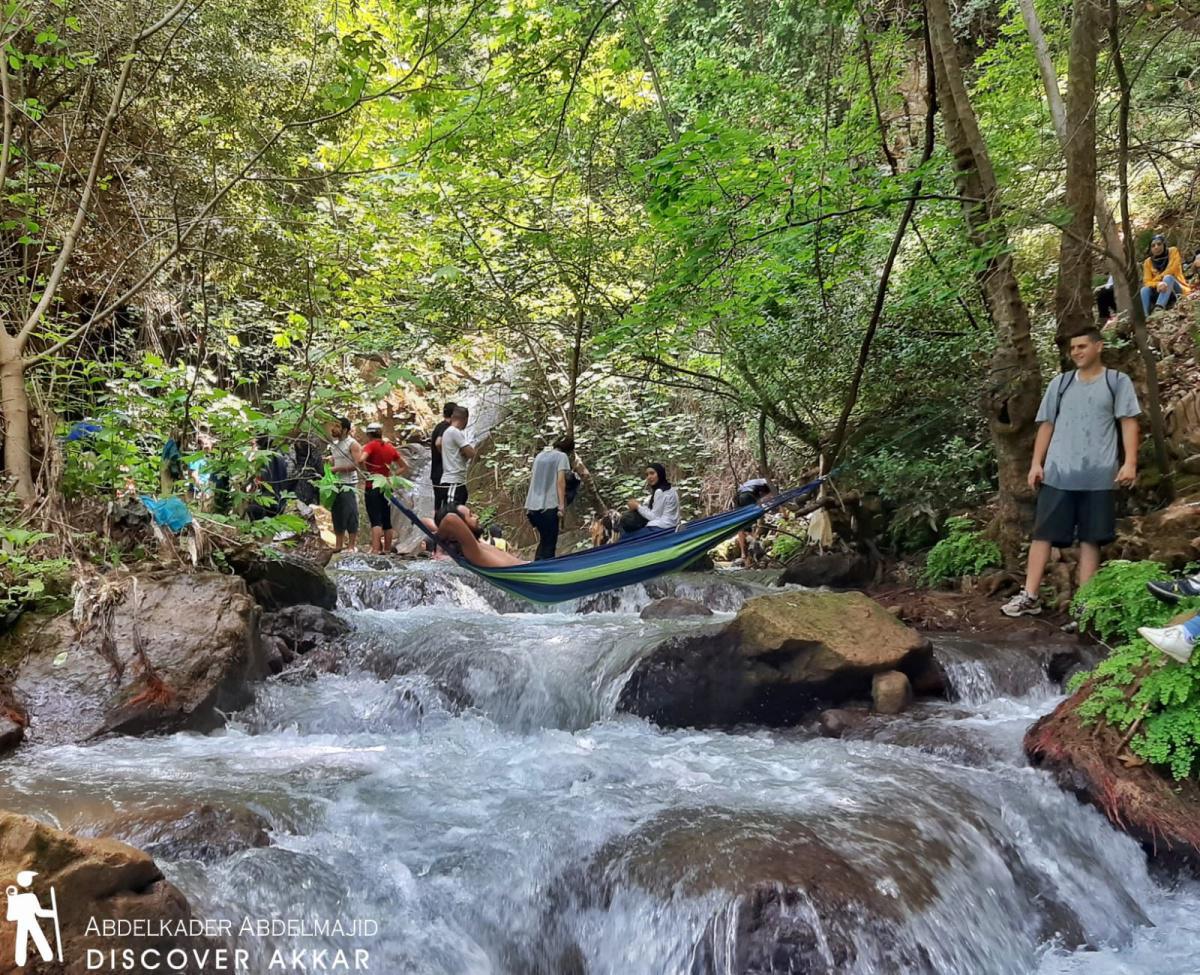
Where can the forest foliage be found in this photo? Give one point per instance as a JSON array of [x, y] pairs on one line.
[[732, 236]]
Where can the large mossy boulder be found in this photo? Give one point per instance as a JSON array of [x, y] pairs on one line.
[[1163, 815], [782, 657], [181, 649], [100, 879]]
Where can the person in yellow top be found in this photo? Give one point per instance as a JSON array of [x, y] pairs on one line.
[[1162, 275]]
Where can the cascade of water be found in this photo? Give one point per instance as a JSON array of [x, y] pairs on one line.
[[466, 780]]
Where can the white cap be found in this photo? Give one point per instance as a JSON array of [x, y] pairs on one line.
[[374, 428]]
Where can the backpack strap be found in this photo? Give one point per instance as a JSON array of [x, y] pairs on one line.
[[1062, 388], [1112, 389]]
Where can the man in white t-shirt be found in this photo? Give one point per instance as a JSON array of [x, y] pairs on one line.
[[457, 452], [546, 500]]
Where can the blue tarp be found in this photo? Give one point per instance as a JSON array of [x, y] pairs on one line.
[[171, 513]]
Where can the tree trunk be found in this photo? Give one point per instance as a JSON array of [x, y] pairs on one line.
[[14, 402], [1014, 384], [1073, 295], [1058, 113], [1132, 270]]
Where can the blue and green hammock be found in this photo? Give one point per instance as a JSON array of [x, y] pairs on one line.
[[622, 564]]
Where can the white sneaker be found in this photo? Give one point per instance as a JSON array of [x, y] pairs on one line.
[[1022, 604], [1171, 640]]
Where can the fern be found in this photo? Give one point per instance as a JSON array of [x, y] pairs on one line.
[[1115, 601], [964, 551], [1136, 683]]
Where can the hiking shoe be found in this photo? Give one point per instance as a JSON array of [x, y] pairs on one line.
[[1173, 590], [1022, 604], [1171, 640]]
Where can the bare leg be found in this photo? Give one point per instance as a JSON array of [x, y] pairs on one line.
[[376, 540], [389, 539], [485, 556], [1089, 561], [1039, 555]]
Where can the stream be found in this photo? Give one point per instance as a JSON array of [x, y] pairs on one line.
[[468, 783]]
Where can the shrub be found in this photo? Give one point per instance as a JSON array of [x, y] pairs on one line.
[[964, 551]]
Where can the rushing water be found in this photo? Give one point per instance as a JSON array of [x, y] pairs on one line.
[[466, 780]]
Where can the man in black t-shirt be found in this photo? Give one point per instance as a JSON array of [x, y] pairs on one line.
[[440, 492]]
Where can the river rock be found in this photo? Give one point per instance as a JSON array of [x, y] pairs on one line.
[[303, 628], [1161, 814], [188, 831], [891, 692], [11, 733], [835, 570], [835, 722], [200, 636], [780, 658], [92, 878], [673, 608], [278, 579]]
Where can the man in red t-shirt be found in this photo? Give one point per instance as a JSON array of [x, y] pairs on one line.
[[380, 458]]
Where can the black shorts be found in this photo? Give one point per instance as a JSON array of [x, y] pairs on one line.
[[743, 498], [345, 512], [379, 509], [1064, 517], [456, 494]]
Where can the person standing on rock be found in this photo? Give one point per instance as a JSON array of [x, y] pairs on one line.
[[1086, 417], [457, 452], [435, 457], [345, 457], [546, 499], [749, 492], [380, 459]]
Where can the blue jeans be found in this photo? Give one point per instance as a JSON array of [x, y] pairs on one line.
[[1165, 298]]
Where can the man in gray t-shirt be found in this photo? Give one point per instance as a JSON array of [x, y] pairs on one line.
[[1076, 464], [546, 499]]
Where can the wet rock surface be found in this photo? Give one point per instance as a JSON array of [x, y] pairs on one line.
[[294, 631], [674, 608], [782, 656], [187, 831], [197, 632], [277, 579], [93, 878], [818, 894], [1161, 814]]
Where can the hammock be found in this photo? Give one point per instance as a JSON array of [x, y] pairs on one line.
[[623, 563]]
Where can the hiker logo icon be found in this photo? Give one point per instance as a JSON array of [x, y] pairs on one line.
[[25, 910]]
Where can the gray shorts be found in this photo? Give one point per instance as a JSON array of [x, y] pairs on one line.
[[1064, 517], [345, 512]]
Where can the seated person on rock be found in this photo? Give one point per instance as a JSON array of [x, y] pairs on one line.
[[1177, 641], [459, 531], [1162, 276]]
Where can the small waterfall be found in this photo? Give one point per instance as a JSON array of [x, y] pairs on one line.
[[980, 672]]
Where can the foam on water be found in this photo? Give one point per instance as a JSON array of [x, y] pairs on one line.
[[466, 764]]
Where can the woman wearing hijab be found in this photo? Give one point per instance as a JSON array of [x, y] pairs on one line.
[[659, 512], [1162, 276]]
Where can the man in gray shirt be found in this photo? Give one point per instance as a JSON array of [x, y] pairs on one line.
[[1075, 467], [546, 499]]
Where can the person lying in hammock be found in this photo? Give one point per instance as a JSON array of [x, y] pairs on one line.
[[458, 531]]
